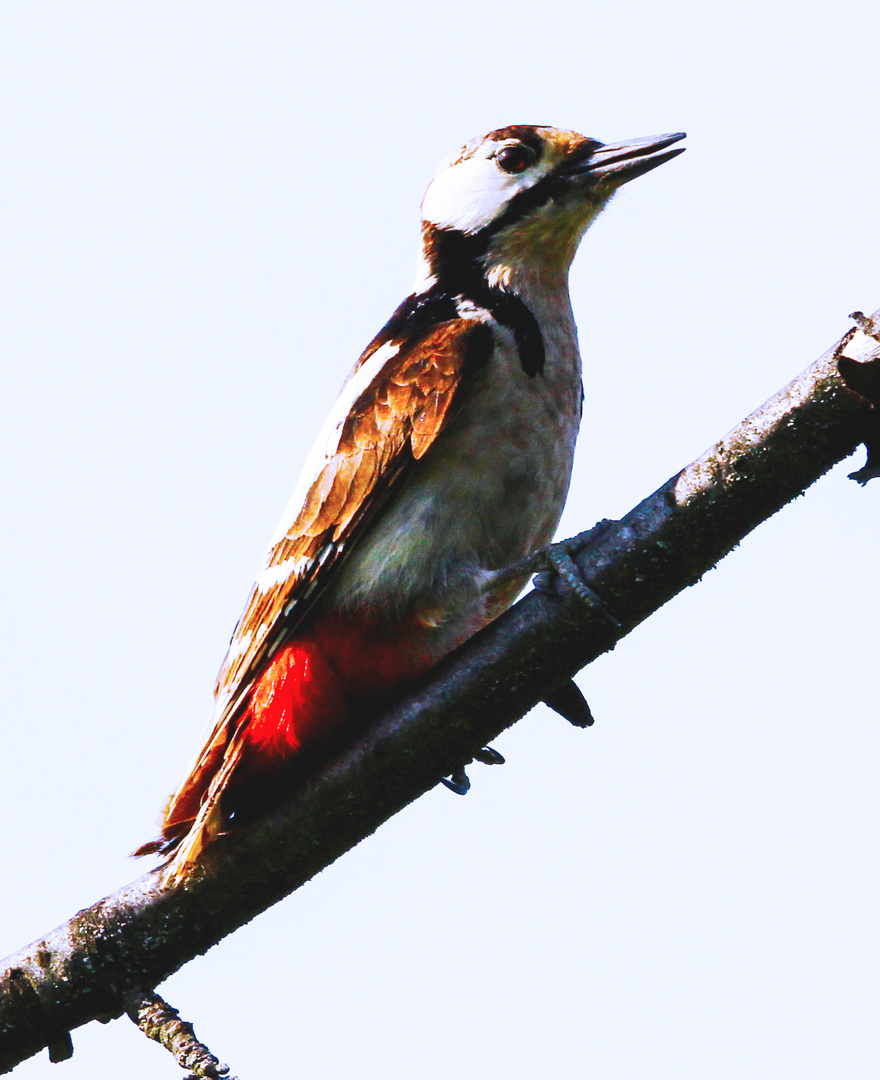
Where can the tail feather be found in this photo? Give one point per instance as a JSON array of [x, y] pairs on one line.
[[208, 823], [183, 806], [296, 711]]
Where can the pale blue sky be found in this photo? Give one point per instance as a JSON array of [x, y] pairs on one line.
[[207, 210]]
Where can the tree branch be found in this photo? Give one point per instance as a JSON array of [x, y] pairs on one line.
[[89, 968], [162, 1023]]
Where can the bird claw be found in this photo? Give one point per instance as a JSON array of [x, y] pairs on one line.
[[459, 782], [488, 756], [557, 567]]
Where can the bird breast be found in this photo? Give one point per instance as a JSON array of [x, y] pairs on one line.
[[489, 492]]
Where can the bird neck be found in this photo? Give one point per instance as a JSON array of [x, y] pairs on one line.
[[532, 259]]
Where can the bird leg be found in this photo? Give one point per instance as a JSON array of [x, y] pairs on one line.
[[553, 566], [554, 569]]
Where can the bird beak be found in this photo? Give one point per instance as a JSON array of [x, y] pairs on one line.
[[613, 164]]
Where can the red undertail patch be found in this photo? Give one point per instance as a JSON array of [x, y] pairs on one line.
[[314, 685]]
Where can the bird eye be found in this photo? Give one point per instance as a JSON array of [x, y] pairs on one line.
[[514, 159]]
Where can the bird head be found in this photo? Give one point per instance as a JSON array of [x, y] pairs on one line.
[[517, 202]]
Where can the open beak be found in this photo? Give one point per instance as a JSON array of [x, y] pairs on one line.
[[614, 164]]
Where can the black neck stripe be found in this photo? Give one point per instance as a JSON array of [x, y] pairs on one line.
[[456, 262], [516, 315], [419, 313]]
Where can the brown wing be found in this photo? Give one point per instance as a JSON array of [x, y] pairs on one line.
[[391, 423]]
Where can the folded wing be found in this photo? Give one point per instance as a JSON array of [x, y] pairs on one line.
[[396, 402]]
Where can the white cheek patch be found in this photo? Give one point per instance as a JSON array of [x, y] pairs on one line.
[[327, 442], [469, 195]]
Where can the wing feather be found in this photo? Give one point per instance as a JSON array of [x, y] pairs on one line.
[[392, 421]]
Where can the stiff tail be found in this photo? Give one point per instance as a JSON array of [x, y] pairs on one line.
[[208, 823], [306, 697]]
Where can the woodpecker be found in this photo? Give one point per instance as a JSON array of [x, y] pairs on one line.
[[445, 461]]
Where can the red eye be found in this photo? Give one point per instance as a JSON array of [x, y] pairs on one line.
[[514, 159]]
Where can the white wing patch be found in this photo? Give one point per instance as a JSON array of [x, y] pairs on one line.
[[270, 577], [327, 443], [240, 644]]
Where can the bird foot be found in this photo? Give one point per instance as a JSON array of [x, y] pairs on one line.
[[557, 571], [459, 782], [488, 756]]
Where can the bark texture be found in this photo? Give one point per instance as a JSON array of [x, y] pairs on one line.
[[90, 967]]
